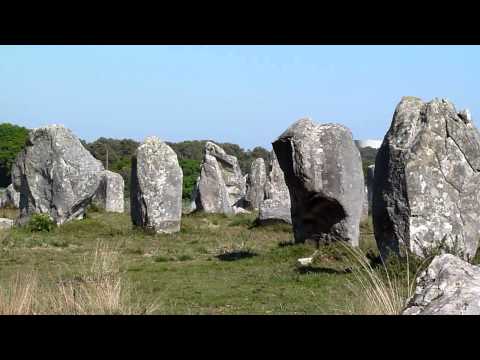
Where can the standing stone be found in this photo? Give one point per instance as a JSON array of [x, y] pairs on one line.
[[323, 171], [449, 286], [221, 186], [426, 181], [156, 187], [256, 184], [370, 183], [55, 175], [109, 195], [276, 206], [10, 198]]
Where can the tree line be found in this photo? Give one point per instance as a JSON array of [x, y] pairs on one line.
[[190, 154]]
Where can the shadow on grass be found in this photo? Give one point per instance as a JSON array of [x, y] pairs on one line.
[[285, 243], [236, 255], [321, 270]]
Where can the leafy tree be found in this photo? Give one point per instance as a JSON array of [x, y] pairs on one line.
[[191, 171], [12, 141]]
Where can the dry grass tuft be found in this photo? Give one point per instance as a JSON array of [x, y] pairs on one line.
[[99, 290], [18, 296], [378, 291]]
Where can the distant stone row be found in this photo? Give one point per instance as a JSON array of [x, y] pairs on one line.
[[423, 190]]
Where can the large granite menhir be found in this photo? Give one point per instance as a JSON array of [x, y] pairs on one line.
[[156, 187], [55, 175], [221, 186], [427, 181], [276, 206], [323, 171]]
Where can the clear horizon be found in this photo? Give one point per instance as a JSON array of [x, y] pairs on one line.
[[246, 95]]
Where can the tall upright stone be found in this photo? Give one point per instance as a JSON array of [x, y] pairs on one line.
[[426, 181], [256, 184], [323, 171], [221, 186], [156, 187], [276, 205], [110, 193], [55, 175]]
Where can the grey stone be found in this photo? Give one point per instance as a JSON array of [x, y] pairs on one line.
[[55, 175], [449, 286], [221, 185], [110, 193], [156, 187], [6, 223], [323, 171], [10, 197], [276, 206], [256, 184], [426, 181]]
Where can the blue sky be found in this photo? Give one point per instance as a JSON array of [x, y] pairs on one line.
[[242, 94]]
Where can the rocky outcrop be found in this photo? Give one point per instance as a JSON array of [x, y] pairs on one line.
[[55, 175], [426, 181], [10, 198], [323, 171], [256, 184], [221, 186], [276, 206], [449, 286], [109, 195], [156, 187]]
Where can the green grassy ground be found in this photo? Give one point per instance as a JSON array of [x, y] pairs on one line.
[[214, 265]]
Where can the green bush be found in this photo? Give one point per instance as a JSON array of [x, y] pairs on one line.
[[12, 141], [41, 223]]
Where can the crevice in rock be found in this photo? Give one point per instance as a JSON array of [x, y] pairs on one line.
[[458, 147]]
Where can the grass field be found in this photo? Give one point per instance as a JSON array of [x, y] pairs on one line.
[[214, 265]]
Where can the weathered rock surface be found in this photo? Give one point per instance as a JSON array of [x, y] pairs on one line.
[[10, 197], [323, 171], [426, 181], [110, 193], [55, 175], [221, 185], [6, 223], [256, 184], [276, 206], [449, 286], [156, 189]]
